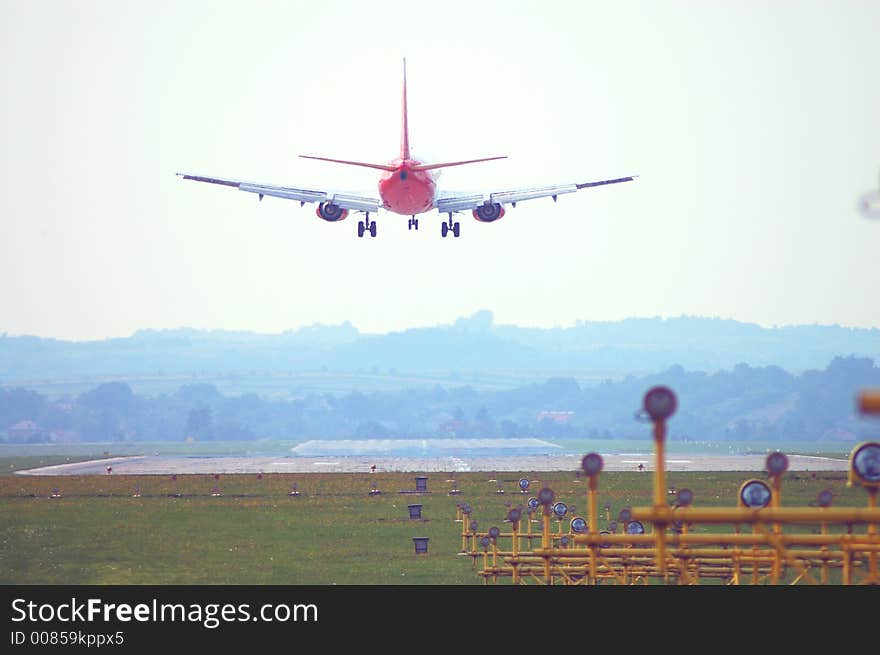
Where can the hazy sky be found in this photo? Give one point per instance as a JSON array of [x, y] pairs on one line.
[[755, 128]]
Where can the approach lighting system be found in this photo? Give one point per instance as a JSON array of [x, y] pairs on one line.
[[484, 542], [755, 494], [776, 463], [560, 509], [533, 503], [660, 403], [494, 532], [865, 464], [684, 497], [578, 525], [466, 509], [546, 496], [474, 526], [592, 464], [514, 515], [523, 485]]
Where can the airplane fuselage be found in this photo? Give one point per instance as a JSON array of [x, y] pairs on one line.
[[406, 191]]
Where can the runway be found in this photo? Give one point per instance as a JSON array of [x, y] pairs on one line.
[[168, 465]]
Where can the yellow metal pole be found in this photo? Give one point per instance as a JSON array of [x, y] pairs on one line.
[[660, 492], [593, 526], [736, 571], [755, 530], [775, 501], [824, 573], [872, 530], [545, 544], [515, 553]]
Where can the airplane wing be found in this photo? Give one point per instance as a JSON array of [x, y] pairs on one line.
[[344, 200], [448, 203]]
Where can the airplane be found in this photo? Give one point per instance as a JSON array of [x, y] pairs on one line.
[[408, 187]]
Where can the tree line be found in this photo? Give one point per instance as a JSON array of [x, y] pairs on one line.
[[740, 404]]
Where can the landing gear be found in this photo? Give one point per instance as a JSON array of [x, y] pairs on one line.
[[413, 223], [447, 227], [367, 225]]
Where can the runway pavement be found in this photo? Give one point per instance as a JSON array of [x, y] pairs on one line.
[[167, 465]]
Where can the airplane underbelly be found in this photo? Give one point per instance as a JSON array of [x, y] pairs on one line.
[[411, 196]]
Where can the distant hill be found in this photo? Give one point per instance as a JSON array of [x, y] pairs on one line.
[[474, 346], [740, 404]]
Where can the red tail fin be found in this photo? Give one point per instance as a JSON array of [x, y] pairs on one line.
[[404, 128]]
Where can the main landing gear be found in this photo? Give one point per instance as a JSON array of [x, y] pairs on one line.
[[447, 227], [413, 223], [367, 225]]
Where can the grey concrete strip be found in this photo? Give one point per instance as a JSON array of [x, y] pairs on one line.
[[167, 465]]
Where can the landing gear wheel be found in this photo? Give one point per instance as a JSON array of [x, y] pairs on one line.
[[415, 223], [444, 230], [373, 229], [456, 229], [360, 228]]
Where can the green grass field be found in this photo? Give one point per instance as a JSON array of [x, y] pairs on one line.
[[333, 533]]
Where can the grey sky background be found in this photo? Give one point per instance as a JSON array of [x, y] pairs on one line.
[[755, 127]]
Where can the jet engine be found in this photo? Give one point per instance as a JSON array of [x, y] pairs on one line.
[[330, 212], [489, 212]]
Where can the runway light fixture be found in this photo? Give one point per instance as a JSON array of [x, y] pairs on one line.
[[660, 403], [865, 464], [523, 485], [684, 497], [466, 509], [592, 464], [776, 463], [494, 532], [484, 542], [605, 544], [612, 526], [546, 496], [755, 494], [825, 498], [578, 525], [560, 509], [514, 515], [533, 503], [635, 527], [474, 526], [625, 515]]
